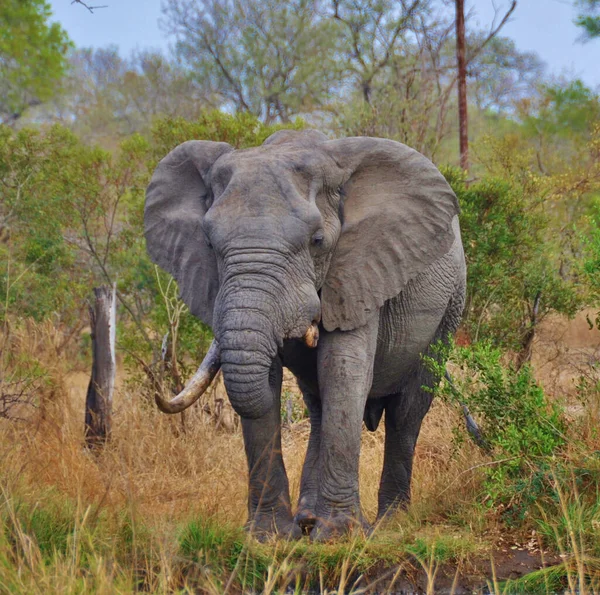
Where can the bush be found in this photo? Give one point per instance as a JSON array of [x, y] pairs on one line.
[[523, 430], [512, 260]]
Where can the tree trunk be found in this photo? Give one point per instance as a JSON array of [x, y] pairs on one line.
[[462, 84], [98, 403], [524, 355]]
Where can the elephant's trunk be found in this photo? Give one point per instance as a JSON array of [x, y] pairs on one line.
[[246, 365], [255, 312], [247, 330]]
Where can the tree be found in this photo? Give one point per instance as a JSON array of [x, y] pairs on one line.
[[502, 75], [71, 218], [409, 99], [90, 8], [558, 122], [412, 98], [512, 256], [461, 61], [32, 56], [269, 58], [373, 31], [588, 18], [105, 96]]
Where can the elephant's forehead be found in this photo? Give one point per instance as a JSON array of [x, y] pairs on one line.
[[278, 160], [268, 183]]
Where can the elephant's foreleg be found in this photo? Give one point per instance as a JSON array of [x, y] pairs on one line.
[[269, 509], [309, 483], [345, 367], [404, 414]]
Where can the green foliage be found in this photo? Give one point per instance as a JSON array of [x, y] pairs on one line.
[[216, 548], [241, 130], [524, 430], [73, 219], [552, 579], [591, 240], [61, 210], [51, 526], [510, 258], [588, 18], [441, 549], [579, 520], [566, 111], [52, 531], [32, 56], [556, 136], [203, 537]]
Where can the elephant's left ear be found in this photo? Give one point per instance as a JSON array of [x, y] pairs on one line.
[[398, 212]]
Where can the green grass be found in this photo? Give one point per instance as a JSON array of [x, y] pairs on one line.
[[559, 578], [49, 543], [59, 544]]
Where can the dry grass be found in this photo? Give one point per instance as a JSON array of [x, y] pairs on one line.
[[161, 509], [171, 475]]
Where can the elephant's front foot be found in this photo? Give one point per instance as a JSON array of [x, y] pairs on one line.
[[264, 525], [337, 524], [306, 517]]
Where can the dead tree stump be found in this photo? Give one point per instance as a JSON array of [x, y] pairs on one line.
[[98, 403]]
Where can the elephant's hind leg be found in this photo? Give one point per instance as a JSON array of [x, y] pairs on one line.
[[269, 509], [404, 414]]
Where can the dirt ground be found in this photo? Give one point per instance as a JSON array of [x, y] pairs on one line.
[[564, 350]]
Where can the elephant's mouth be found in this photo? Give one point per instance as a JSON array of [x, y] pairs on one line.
[[207, 371]]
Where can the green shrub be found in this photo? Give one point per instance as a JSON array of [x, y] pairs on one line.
[[522, 428], [512, 258]]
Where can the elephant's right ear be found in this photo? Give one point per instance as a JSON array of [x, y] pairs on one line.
[[175, 206]]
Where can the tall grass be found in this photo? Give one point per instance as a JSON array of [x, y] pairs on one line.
[[161, 509]]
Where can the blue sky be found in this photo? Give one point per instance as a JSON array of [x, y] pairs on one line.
[[544, 26]]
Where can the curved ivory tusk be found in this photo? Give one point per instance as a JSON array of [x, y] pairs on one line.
[[196, 386], [311, 336]]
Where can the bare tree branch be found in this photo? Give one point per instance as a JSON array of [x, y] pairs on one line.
[[90, 8], [493, 32], [373, 41]]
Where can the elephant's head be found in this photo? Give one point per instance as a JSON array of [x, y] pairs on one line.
[[266, 242]]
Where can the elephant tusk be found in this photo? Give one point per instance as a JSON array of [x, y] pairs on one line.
[[311, 336], [196, 386]]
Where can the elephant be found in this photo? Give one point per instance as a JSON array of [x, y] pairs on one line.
[[339, 259]]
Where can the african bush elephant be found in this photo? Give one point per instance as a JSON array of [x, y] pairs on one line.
[[352, 242]]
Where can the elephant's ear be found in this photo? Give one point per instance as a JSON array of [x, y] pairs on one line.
[[398, 212], [175, 206]]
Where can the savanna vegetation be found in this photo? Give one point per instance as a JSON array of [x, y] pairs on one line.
[[161, 507]]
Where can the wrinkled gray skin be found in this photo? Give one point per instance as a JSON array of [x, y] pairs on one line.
[[360, 234]]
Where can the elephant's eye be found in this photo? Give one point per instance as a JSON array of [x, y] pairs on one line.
[[207, 241], [317, 238]]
